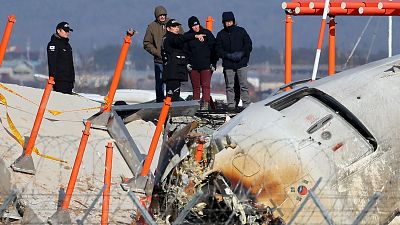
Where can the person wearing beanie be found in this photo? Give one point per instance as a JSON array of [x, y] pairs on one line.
[[202, 61], [233, 45], [175, 59], [152, 44], [60, 60]]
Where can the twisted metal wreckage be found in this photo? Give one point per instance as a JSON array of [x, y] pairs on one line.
[[264, 163], [332, 141]]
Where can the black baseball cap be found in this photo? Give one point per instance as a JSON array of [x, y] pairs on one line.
[[64, 26], [172, 23]]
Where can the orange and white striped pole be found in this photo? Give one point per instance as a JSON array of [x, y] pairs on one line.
[[320, 40]]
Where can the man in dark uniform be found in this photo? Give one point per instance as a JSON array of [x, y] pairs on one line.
[[60, 61], [175, 59]]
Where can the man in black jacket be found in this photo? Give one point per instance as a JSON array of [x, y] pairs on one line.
[[60, 61], [234, 45], [175, 59]]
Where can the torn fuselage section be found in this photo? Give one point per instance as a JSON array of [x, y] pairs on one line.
[[273, 152]]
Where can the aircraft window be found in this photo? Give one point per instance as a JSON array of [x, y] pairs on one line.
[[293, 97]]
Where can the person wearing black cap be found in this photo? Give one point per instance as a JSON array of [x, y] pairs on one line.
[[202, 61], [234, 45], [60, 60], [175, 59]]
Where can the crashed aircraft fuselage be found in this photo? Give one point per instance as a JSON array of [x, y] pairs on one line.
[[343, 129]]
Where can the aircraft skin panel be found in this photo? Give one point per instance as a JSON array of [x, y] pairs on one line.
[[275, 153]]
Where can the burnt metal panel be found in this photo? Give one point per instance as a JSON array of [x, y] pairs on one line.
[[171, 148]]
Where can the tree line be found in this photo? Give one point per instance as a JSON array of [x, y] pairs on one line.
[[105, 58]]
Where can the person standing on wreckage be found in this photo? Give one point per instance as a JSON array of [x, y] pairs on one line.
[[202, 61], [233, 45], [60, 59], [174, 57], [152, 44]]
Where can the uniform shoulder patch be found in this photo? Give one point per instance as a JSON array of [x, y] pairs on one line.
[[52, 47]]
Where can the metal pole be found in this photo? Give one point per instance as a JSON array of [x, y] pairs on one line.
[[365, 210], [6, 37], [88, 210], [320, 40], [288, 48], [390, 35], [9, 199], [209, 23], [107, 182], [25, 163], [358, 41], [156, 136], [187, 208], [39, 116], [332, 46], [77, 165], [144, 212], [324, 212], [118, 70]]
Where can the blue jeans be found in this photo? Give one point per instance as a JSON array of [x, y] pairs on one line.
[[158, 70]]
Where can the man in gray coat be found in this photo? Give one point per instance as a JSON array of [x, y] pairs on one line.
[[152, 44]]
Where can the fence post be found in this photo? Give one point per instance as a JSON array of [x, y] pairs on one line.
[[107, 182], [6, 37], [156, 136], [24, 163], [118, 70]]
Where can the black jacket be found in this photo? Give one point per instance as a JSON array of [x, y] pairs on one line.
[[175, 58], [59, 58], [202, 54], [233, 39]]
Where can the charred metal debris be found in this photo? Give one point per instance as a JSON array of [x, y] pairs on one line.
[[186, 191]]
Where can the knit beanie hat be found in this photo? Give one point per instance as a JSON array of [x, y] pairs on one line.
[[228, 16], [192, 21]]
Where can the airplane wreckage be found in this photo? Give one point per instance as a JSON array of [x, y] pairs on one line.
[[323, 152]]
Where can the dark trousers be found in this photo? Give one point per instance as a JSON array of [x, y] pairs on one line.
[[159, 85], [63, 87], [173, 89], [201, 78]]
